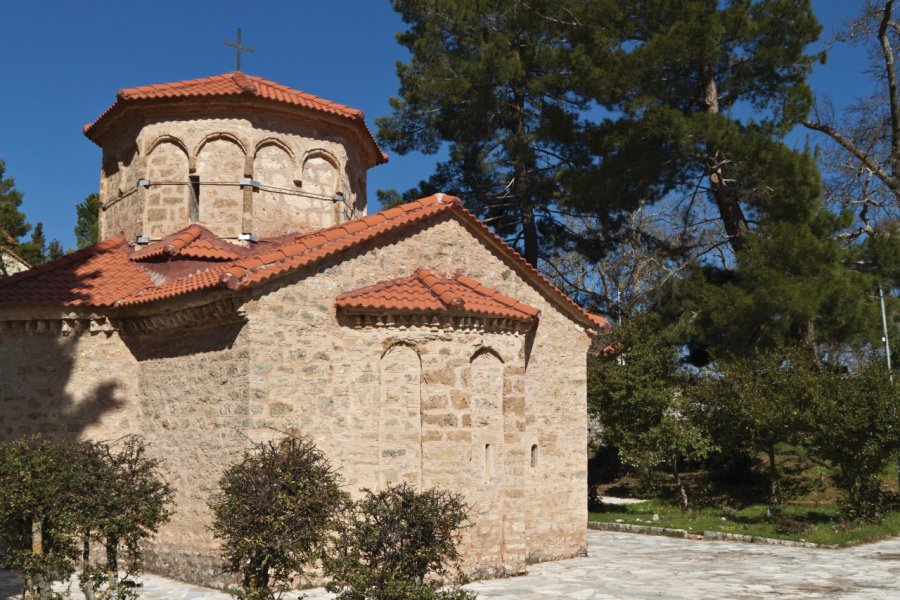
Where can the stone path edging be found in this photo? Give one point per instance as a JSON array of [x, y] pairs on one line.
[[709, 536], [645, 529], [754, 539]]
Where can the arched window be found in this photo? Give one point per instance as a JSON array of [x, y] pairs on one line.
[[400, 422], [220, 165], [534, 456], [168, 203], [320, 175]]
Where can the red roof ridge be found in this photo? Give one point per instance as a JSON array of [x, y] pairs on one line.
[[241, 270], [173, 243], [425, 292], [244, 82], [106, 245], [236, 83], [439, 289]]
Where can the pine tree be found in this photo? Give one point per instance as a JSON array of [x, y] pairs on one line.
[[12, 220], [35, 250], [677, 82], [792, 282], [493, 81], [86, 228]]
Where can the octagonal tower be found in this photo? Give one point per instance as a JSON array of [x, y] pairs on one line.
[[239, 154]]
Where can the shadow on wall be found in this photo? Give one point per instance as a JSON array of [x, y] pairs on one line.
[[57, 377]]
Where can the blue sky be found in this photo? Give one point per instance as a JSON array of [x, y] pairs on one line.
[[63, 62]]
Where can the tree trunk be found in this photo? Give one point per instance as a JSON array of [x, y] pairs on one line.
[[523, 164], [38, 584], [84, 584], [529, 233], [729, 208], [680, 483], [774, 500], [112, 566]]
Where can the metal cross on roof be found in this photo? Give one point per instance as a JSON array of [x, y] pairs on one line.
[[240, 48]]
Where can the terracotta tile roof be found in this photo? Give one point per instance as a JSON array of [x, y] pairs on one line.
[[194, 241], [96, 276], [238, 84], [105, 274], [424, 292]]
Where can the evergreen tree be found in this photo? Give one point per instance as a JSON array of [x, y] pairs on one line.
[[494, 81], [38, 251], [35, 250], [12, 220], [55, 250], [86, 227], [789, 282], [677, 81]]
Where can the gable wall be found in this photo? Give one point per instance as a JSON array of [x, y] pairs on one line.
[[310, 372]]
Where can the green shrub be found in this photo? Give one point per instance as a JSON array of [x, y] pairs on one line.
[[274, 514], [57, 494], [125, 500], [40, 482], [398, 544], [856, 429]]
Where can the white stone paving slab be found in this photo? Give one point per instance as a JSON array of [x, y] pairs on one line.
[[628, 566]]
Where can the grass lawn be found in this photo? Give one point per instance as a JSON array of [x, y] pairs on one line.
[[819, 525]]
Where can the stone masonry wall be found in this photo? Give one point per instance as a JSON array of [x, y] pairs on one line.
[[299, 166], [194, 408], [484, 398], [81, 384], [455, 408]]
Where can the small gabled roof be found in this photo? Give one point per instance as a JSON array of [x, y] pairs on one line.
[[426, 293], [194, 241], [233, 85]]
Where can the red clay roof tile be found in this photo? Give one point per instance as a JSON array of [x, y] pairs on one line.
[[425, 293], [235, 83], [194, 241], [109, 273], [96, 276]]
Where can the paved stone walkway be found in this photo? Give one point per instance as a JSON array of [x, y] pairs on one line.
[[621, 565]]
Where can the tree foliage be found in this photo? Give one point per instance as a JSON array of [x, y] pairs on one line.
[[861, 154], [856, 428], [88, 221], [12, 220], [124, 503], [495, 81], [56, 494], [756, 403], [398, 544], [274, 513], [643, 401], [41, 481]]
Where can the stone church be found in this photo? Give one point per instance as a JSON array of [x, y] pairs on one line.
[[241, 289]]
